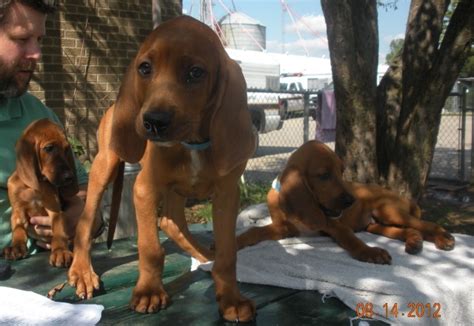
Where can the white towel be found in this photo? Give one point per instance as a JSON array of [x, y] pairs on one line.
[[318, 263], [18, 307]]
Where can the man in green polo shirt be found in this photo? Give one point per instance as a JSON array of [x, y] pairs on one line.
[[22, 26]]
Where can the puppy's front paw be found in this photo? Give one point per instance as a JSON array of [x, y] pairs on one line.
[[444, 241], [414, 242], [242, 310], [149, 298], [15, 252], [374, 255], [81, 275], [60, 257]]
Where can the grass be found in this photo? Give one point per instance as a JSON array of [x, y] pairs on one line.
[[250, 194], [455, 217], [253, 193]]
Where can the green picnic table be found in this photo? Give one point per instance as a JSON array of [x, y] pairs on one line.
[[191, 292]]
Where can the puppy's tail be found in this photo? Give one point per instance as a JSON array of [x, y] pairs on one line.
[[115, 205]]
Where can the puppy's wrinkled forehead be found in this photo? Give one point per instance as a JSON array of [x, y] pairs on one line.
[[47, 129], [184, 40], [323, 160]]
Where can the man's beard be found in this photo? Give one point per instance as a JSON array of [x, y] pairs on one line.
[[14, 80]]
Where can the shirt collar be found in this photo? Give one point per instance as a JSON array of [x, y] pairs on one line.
[[10, 109]]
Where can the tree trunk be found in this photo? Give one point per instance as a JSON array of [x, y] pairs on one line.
[[428, 73], [402, 115], [353, 43]]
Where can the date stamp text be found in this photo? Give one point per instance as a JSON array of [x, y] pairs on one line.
[[394, 310]]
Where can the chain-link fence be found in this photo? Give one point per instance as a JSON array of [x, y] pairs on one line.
[[453, 154], [287, 120]]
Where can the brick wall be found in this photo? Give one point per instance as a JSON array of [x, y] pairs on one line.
[[169, 8], [88, 47]]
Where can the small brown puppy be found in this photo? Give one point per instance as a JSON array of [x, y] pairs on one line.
[[312, 197], [44, 180]]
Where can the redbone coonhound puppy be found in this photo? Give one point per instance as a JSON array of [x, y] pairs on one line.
[[182, 113], [43, 182], [312, 197]]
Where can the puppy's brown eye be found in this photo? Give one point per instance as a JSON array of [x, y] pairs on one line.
[[145, 69], [195, 74], [48, 148], [324, 177]]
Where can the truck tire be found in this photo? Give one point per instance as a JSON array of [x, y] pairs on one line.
[[257, 141], [283, 110]]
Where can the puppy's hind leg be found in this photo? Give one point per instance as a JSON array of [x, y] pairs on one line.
[[277, 230], [413, 238], [257, 234], [394, 215], [174, 224]]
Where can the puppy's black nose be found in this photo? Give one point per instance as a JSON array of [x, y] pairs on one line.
[[67, 177], [347, 200], [63, 177], [156, 123]]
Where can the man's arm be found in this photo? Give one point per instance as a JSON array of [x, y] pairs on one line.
[[40, 226]]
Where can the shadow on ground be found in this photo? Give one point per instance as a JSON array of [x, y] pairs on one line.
[[451, 206]]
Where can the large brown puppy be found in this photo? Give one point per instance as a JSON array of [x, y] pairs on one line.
[[312, 197], [43, 183], [182, 112]]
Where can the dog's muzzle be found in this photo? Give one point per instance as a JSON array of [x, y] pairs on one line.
[[157, 124], [331, 214], [64, 179], [346, 200]]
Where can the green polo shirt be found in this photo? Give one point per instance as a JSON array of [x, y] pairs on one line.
[[15, 115]]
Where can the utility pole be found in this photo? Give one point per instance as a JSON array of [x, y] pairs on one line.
[[205, 16], [283, 9]]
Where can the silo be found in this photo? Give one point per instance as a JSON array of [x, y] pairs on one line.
[[243, 32]]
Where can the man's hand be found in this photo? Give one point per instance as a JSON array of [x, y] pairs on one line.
[[40, 230], [40, 227]]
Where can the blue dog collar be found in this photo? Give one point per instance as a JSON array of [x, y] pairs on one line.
[[276, 184], [197, 146]]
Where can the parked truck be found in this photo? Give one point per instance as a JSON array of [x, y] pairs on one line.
[[298, 82], [259, 76], [269, 100], [286, 96]]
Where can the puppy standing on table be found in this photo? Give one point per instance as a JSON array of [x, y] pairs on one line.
[[311, 196], [182, 113]]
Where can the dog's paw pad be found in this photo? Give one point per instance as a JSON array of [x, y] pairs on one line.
[[60, 258], [445, 241], [15, 252], [146, 300], [414, 246], [243, 312], [375, 255]]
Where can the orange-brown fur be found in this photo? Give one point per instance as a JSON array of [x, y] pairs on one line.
[[314, 198], [43, 182], [181, 86]]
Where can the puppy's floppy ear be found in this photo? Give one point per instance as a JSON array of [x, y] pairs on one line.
[[73, 188], [125, 140], [296, 198], [27, 162], [232, 139]]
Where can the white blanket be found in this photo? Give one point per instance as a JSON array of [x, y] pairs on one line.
[[18, 307], [432, 279]]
